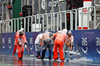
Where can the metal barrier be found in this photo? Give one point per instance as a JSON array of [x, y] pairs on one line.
[[48, 21], [86, 18]]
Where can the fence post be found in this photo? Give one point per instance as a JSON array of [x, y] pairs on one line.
[[57, 21], [3, 25], [43, 22], [17, 24], [94, 18], [51, 20], [60, 21], [65, 20], [47, 21], [28, 24], [31, 22], [6, 26], [24, 24], [14, 25], [75, 19], [71, 20], [39, 22], [81, 19], [35, 21], [11, 25]]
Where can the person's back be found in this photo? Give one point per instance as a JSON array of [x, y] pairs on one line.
[[60, 37], [47, 35], [38, 39], [47, 44]]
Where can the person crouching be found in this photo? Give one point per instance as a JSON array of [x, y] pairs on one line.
[[47, 43], [21, 41]]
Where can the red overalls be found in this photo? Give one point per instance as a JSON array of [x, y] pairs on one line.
[[15, 43], [58, 44], [20, 48]]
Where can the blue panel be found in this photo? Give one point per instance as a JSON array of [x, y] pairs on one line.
[[87, 42], [30, 39], [7, 42]]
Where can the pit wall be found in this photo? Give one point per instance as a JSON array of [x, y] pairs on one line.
[[87, 42]]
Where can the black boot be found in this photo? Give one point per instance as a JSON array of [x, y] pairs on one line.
[[43, 54], [20, 58], [49, 54], [38, 55]]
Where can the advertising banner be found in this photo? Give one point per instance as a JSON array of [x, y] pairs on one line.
[[7, 42], [87, 42], [30, 36]]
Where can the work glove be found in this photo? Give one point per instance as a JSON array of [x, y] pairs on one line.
[[25, 44], [19, 43]]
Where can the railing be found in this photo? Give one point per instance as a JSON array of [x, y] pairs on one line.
[[48, 21], [86, 18]]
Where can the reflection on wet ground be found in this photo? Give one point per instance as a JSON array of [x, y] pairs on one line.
[[9, 60]]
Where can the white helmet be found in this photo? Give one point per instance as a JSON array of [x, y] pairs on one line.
[[21, 32], [69, 32], [22, 29], [65, 30]]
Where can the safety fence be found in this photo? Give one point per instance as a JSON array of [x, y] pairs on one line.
[[70, 19], [86, 17]]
